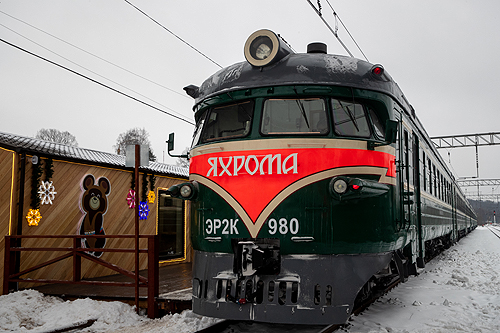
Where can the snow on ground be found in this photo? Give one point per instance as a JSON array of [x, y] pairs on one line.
[[31, 311], [459, 291]]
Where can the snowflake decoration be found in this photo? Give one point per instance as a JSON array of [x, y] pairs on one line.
[[151, 197], [47, 192], [143, 210], [131, 199], [33, 217]]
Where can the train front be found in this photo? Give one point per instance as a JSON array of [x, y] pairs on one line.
[[292, 174]]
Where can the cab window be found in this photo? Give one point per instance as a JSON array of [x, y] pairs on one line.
[[199, 128], [350, 119], [377, 124], [294, 116], [229, 121]]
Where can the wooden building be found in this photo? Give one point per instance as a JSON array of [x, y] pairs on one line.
[[82, 191]]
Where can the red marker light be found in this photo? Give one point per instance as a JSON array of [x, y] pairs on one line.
[[355, 187], [378, 70]]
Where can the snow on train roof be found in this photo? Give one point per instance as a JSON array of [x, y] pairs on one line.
[[303, 68]]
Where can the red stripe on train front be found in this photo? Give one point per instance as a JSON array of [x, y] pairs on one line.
[[255, 177]]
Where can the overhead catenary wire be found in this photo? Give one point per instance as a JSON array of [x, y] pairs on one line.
[[330, 28], [179, 38], [338, 17], [91, 71], [95, 81], [334, 31], [96, 56]]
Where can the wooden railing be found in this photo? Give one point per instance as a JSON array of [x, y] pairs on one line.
[[77, 253]]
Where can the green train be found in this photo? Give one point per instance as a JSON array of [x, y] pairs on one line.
[[312, 184]]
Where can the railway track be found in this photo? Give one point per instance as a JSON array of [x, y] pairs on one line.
[[495, 230]]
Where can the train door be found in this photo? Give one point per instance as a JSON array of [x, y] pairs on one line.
[[409, 175], [417, 200], [407, 179]]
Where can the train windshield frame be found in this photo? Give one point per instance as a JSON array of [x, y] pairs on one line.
[[225, 122], [303, 116]]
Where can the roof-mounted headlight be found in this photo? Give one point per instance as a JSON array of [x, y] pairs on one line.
[[264, 47]]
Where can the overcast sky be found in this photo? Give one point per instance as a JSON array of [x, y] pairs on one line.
[[443, 54]]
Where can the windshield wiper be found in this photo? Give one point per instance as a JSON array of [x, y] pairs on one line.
[[349, 113], [301, 107]]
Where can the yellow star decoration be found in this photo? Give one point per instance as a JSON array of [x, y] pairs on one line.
[[33, 217], [151, 197]]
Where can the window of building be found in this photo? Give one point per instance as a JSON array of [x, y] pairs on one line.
[[171, 229]]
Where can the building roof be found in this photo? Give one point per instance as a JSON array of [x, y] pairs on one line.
[[42, 147]]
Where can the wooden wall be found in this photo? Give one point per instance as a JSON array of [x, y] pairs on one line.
[[6, 174], [62, 217]]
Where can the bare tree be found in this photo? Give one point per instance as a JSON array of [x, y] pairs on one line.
[[57, 136], [133, 136], [183, 162]]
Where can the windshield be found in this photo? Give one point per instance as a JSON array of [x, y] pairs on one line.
[[349, 119], [229, 121], [294, 116]]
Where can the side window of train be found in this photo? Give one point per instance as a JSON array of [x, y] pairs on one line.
[[377, 124], [198, 129], [228, 121], [349, 119], [294, 116], [434, 178], [429, 170], [424, 171]]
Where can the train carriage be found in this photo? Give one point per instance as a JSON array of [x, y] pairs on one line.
[[312, 183]]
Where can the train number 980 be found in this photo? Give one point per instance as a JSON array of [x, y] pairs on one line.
[[283, 226]]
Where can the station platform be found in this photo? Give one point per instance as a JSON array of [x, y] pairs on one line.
[[175, 283]]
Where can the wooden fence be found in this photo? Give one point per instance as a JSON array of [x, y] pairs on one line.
[[77, 252]]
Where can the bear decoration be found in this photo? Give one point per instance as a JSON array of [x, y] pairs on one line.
[[93, 204]]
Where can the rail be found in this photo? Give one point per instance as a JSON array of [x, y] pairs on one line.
[[151, 282], [496, 233]]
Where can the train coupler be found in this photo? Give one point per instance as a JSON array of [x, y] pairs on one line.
[[261, 256]]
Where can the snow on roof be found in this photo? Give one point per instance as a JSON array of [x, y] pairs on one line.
[[37, 146]]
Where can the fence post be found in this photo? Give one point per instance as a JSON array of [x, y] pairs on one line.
[[9, 265], [77, 261], [153, 275]]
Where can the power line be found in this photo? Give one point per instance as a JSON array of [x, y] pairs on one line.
[[336, 16], [318, 11], [95, 81], [335, 31], [96, 56], [89, 69], [179, 38]]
